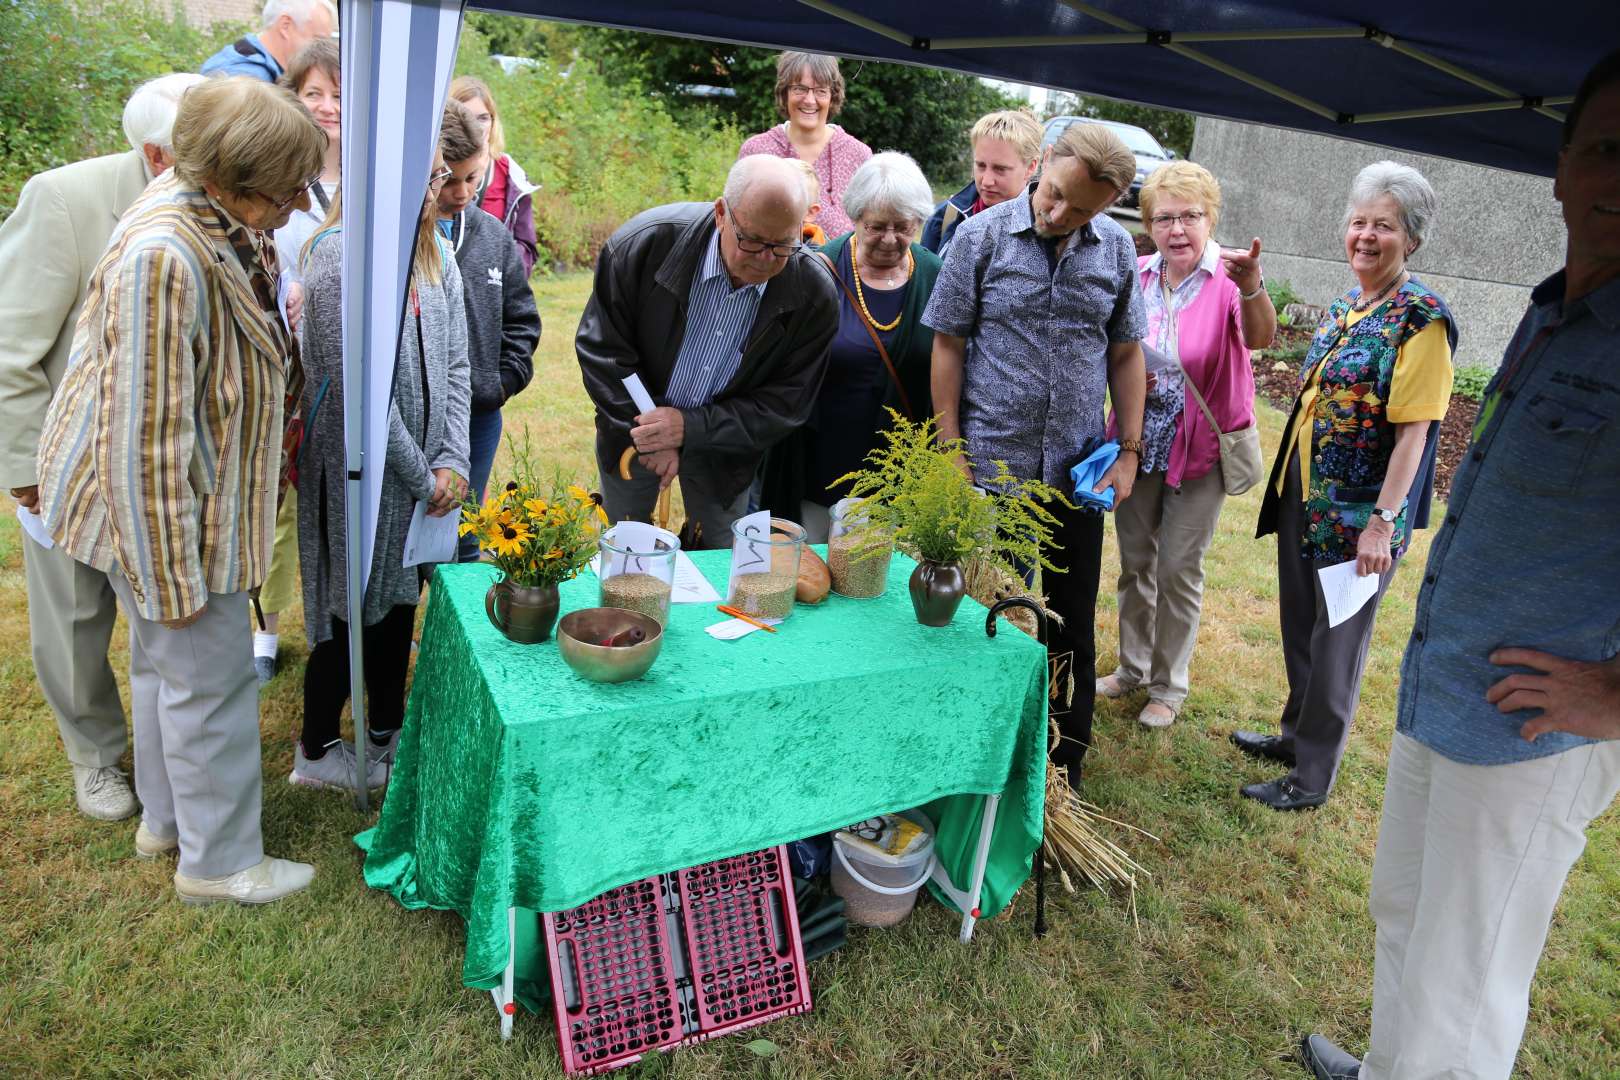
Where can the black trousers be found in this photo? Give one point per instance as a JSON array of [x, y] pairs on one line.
[[387, 646], [1072, 650]]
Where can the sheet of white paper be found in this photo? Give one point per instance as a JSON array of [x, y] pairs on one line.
[[1345, 591], [631, 536], [750, 556], [691, 587], [431, 539], [34, 526], [730, 630], [1157, 362], [638, 393]]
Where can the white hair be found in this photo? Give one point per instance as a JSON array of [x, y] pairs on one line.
[[1414, 197], [151, 109], [889, 182], [300, 10], [765, 169]]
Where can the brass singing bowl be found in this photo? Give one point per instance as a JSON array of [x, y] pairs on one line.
[[578, 634]]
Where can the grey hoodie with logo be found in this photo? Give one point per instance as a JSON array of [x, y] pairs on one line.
[[503, 323]]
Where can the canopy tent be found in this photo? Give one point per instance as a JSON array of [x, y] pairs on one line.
[[1479, 82]]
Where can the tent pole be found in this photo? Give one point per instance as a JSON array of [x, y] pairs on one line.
[[859, 20], [357, 602]]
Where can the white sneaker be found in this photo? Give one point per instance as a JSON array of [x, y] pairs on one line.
[[103, 793], [334, 769], [1156, 714], [149, 845], [383, 752], [260, 884], [1112, 686]]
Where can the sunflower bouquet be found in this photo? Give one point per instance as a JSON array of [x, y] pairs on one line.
[[537, 534]]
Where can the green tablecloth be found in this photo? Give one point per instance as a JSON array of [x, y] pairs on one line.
[[518, 783]]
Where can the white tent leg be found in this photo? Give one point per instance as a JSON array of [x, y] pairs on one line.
[[968, 900], [505, 1002], [357, 670]]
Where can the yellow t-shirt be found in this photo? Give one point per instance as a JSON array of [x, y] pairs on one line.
[[1420, 390]]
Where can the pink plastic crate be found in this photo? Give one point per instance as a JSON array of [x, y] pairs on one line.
[[675, 959]]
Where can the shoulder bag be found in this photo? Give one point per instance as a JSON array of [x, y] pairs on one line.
[[1240, 461]]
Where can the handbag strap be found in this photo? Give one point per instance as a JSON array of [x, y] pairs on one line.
[[894, 376], [1172, 318]]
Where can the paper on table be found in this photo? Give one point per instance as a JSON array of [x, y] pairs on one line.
[[34, 526], [431, 539], [638, 393], [691, 587], [1345, 591], [730, 630]]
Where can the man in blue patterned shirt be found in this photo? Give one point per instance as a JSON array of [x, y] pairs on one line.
[[1507, 738], [1036, 318]]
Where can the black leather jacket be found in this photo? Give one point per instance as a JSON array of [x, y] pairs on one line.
[[635, 321]]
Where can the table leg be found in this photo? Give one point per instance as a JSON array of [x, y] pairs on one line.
[[981, 859], [505, 1002], [968, 900]]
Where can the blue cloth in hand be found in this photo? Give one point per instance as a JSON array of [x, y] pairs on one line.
[[1086, 474]]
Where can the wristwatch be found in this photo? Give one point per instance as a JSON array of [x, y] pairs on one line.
[[1388, 516], [1131, 446]]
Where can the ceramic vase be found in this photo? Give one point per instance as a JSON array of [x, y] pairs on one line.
[[524, 613], [936, 592]]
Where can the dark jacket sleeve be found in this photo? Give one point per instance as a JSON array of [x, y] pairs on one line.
[[749, 422], [605, 341], [523, 232], [932, 234], [520, 325]]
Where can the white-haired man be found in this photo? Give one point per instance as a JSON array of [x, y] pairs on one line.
[[48, 246], [287, 26], [729, 324]]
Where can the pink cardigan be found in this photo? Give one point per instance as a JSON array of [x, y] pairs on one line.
[[837, 163], [1210, 334]]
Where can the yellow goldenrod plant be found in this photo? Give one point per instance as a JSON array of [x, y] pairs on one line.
[[913, 489], [536, 534]]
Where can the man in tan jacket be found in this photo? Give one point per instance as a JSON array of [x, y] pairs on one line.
[[48, 246]]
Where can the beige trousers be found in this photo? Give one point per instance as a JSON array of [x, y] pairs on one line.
[[71, 609], [1471, 860], [1163, 534]]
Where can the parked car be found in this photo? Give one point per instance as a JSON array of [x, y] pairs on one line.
[[1149, 154]]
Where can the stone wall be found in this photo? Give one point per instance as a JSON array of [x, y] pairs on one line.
[[208, 12], [1495, 235]]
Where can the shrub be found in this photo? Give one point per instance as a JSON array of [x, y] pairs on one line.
[[69, 69], [1282, 293], [602, 152], [1470, 380]]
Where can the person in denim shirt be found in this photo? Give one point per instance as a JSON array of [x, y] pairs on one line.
[[1507, 740]]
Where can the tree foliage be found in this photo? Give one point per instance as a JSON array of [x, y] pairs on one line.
[[66, 72], [922, 111]]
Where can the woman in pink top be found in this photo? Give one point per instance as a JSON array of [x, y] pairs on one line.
[[1208, 308], [809, 92]]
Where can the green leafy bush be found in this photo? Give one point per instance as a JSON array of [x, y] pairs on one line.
[[602, 151], [1282, 293], [1469, 380], [66, 71]]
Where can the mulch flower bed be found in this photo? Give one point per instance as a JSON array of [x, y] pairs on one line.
[[1277, 380]]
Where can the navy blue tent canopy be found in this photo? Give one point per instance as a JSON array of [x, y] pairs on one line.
[[1476, 80]]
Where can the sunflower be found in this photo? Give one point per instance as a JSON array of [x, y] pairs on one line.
[[509, 539], [580, 494], [596, 504], [554, 553], [536, 507]]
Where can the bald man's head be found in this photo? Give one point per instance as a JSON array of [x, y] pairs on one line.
[[759, 217]]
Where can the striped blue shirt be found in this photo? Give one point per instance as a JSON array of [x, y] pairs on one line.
[[718, 319]]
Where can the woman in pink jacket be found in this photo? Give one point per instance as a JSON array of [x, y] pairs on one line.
[[809, 92], [1207, 308]]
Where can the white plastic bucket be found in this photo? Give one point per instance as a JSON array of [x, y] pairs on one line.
[[880, 890]]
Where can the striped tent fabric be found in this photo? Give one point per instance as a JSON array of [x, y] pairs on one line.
[[398, 59]]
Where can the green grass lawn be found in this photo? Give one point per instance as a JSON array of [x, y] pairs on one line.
[[1253, 929]]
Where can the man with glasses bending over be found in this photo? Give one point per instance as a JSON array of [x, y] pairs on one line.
[[727, 323]]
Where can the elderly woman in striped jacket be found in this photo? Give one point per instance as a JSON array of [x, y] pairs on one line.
[[159, 462]]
